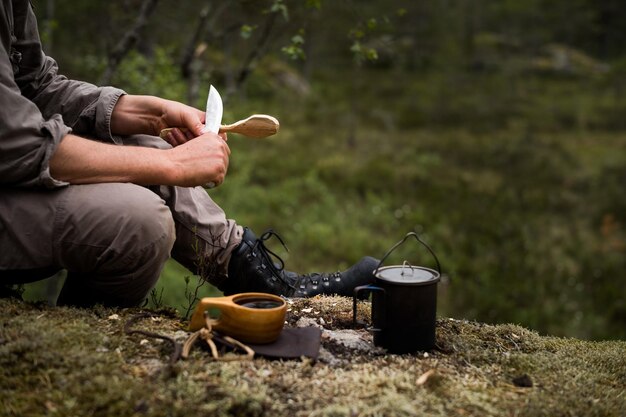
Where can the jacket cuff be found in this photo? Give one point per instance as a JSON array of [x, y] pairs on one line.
[[104, 109], [56, 130]]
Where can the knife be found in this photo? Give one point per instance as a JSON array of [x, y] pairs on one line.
[[255, 126]]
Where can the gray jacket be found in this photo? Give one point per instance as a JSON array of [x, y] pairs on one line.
[[38, 107]]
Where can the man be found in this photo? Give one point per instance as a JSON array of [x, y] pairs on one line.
[[87, 186]]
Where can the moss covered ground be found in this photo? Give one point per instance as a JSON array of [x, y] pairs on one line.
[[58, 361]]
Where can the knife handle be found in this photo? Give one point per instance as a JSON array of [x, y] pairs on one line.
[[167, 130], [255, 126]]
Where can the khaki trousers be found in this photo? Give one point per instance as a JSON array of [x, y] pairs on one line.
[[113, 238]]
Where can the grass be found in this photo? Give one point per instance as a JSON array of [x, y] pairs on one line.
[[515, 180], [67, 361], [528, 226]]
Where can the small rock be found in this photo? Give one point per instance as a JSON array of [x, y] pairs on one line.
[[523, 381], [326, 357], [350, 339], [307, 310], [179, 335], [148, 367], [142, 407], [114, 317], [307, 322]]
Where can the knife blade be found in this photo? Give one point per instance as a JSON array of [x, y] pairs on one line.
[[213, 117], [214, 112]]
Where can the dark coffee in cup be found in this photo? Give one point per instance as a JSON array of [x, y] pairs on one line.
[[259, 303]]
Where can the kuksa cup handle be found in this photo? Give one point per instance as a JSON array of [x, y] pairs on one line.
[[222, 303], [370, 288]]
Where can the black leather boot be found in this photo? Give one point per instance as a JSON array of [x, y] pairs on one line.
[[252, 269]]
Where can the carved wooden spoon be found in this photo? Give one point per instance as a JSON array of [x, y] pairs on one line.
[[255, 126]]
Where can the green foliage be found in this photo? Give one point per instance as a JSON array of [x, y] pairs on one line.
[[294, 50], [278, 6], [314, 4], [246, 31], [494, 128], [157, 74], [515, 210]]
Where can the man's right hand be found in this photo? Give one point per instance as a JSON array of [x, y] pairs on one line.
[[202, 160], [199, 161]]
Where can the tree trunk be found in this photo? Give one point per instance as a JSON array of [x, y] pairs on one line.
[[189, 54], [128, 41], [190, 63], [255, 53]]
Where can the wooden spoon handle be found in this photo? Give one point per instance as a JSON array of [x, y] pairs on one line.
[[255, 126]]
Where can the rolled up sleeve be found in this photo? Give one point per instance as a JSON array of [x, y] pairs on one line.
[[39, 107], [85, 108], [27, 140]]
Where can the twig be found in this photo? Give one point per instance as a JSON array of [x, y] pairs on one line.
[[206, 269]]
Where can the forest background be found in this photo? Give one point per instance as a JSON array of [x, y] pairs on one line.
[[495, 129]]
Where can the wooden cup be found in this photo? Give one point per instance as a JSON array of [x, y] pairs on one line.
[[248, 317]]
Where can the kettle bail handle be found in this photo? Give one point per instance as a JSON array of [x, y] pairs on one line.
[[394, 247]]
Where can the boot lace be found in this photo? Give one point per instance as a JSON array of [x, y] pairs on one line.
[[260, 243], [302, 281], [275, 261]]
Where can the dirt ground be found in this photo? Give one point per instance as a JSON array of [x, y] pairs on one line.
[[58, 361]]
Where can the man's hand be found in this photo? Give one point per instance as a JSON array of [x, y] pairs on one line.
[[198, 162], [201, 161], [179, 115], [150, 115]]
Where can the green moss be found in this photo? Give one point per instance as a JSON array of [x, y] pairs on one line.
[[66, 361]]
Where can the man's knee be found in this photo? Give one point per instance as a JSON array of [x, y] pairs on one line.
[[146, 223], [121, 223], [127, 233]]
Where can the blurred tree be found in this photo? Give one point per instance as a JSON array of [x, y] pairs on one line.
[[128, 41]]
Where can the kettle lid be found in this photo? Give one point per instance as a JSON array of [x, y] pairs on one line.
[[407, 275]]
